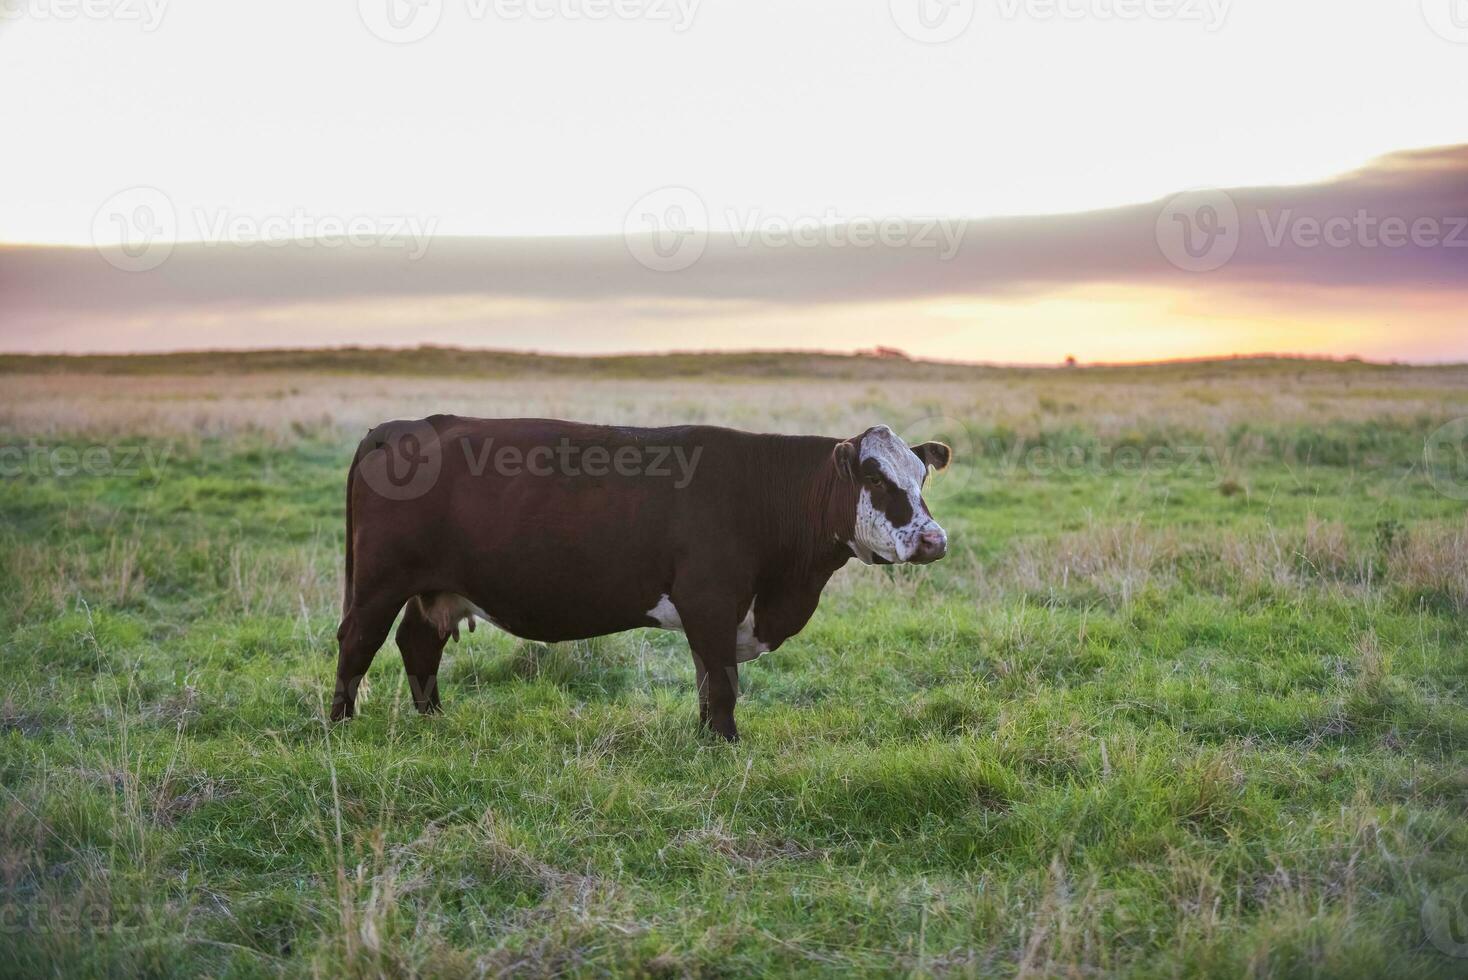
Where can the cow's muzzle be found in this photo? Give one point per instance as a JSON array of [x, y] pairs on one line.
[[932, 544]]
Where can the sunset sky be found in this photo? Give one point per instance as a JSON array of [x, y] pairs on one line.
[[980, 180]]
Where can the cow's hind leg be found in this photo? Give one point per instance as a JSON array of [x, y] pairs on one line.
[[421, 643], [701, 680], [362, 632]]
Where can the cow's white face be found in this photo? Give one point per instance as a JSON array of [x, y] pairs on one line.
[[892, 520]]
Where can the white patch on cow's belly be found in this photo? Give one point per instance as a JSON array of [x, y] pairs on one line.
[[747, 646]]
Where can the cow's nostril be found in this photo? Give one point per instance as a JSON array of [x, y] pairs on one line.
[[932, 545]]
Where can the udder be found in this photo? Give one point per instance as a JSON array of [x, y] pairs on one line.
[[446, 610]]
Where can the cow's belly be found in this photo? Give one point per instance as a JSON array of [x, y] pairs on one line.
[[555, 560], [556, 617], [555, 624], [448, 610], [558, 625], [555, 604]]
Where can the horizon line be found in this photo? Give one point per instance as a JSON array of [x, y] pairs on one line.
[[896, 355]]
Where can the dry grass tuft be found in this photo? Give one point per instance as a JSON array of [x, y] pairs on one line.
[[1117, 560], [745, 851], [1433, 560]]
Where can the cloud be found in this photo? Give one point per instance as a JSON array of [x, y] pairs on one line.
[[1301, 245]]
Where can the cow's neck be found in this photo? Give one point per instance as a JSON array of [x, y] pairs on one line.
[[799, 525], [811, 514]]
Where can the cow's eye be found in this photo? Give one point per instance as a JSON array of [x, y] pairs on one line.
[[875, 482]]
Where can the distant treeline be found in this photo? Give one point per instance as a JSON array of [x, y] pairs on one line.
[[461, 362]]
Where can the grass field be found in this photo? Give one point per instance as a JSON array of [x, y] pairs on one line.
[[1189, 697]]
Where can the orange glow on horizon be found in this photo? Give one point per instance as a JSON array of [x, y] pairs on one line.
[[1095, 324]]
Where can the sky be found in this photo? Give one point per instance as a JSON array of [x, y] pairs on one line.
[[715, 174]]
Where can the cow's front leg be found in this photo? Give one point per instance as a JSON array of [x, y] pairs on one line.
[[723, 688], [711, 629]]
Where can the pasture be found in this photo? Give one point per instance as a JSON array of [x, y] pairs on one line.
[[1189, 696]]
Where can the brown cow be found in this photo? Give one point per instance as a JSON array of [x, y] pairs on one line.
[[560, 531]]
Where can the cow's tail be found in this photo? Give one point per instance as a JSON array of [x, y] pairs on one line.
[[347, 578]]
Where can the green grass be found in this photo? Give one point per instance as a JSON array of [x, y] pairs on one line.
[[1193, 720]]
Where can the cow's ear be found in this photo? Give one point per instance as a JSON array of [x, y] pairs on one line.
[[845, 456], [934, 454]]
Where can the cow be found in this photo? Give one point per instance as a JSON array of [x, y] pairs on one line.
[[557, 531]]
